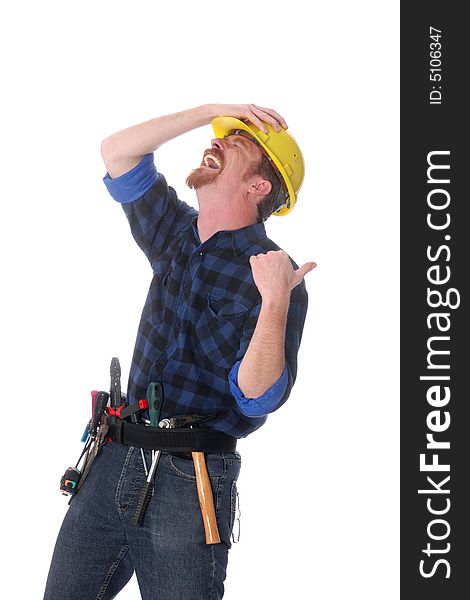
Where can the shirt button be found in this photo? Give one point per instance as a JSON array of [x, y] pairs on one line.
[[200, 253]]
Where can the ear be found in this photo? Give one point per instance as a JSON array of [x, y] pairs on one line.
[[259, 186]]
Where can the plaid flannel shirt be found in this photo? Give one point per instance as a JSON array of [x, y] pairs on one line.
[[201, 310]]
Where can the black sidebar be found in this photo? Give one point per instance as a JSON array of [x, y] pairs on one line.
[[435, 298]]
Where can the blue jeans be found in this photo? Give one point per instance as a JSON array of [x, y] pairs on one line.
[[98, 549]]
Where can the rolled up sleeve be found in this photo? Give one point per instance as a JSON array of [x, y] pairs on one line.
[[263, 405], [132, 185]]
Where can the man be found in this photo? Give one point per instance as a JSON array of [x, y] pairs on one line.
[[220, 331]]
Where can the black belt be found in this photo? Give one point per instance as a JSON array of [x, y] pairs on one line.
[[170, 440]]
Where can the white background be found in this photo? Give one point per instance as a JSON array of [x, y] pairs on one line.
[[319, 482]]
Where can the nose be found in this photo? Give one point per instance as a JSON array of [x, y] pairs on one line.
[[217, 143]]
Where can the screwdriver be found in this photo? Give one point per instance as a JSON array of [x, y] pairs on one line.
[[86, 433], [155, 400], [135, 418], [146, 492], [99, 403]]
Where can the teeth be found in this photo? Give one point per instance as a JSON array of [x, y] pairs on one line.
[[214, 158]]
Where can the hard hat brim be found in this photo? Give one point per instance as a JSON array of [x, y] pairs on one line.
[[222, 127]]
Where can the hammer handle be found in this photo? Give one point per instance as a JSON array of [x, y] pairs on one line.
[[206, 500]]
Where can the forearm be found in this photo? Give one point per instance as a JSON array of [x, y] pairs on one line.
[[264, 360], [124, 149], [138, 140]]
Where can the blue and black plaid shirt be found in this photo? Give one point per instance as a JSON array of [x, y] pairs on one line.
[[201, 310]]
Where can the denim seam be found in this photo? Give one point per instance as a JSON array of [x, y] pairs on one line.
[[212, 577], [137, 486], [111, 572], [220, 486], [220, 491], [233, 505], [120, 484]]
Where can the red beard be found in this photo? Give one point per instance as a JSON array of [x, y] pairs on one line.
[[201, 176]]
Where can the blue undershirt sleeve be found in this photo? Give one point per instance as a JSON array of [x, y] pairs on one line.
[[263, 405], [132, 185]]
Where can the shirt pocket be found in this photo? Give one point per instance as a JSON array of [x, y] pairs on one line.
[[220, 329]]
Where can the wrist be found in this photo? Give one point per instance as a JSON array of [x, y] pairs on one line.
[[210, 112], [275, 303]]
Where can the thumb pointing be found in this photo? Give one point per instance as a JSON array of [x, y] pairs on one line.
[[304, 269]]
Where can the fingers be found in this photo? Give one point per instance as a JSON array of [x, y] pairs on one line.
[[259, 114], [251, 116], [273, 115], [274, 254]]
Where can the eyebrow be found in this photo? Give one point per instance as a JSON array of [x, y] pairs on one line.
[[244, 141]]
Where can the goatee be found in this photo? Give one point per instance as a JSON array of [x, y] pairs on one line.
[[200, 177]]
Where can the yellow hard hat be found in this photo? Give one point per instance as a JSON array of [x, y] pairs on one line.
[[281, 149]]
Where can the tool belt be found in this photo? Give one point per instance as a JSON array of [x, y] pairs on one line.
[[114, 419], [169, 440]]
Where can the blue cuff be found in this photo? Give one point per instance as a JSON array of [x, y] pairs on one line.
[[132, 185], [261, 406]]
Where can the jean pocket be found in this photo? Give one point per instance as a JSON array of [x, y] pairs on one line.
[[184, 467]]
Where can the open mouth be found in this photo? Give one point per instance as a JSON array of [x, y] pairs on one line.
[[211, 160]]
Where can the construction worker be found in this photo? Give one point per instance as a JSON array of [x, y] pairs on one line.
[[220, 330]]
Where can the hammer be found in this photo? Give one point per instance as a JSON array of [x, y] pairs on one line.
[[204, 490]]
